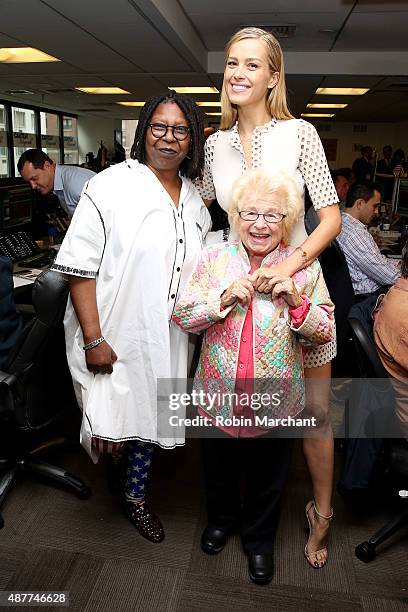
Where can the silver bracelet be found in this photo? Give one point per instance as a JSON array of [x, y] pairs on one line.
[[94, 343]]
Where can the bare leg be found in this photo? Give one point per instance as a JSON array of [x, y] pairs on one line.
[[319, 454]]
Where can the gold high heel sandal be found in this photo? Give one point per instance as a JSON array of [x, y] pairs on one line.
[[311, 556]]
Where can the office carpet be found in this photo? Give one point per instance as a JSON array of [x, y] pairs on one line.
[[54, 541]]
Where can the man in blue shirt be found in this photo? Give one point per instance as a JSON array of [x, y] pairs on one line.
[[369, 269], [45, 176]]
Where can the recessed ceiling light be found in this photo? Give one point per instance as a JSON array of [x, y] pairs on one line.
[[131, 103], [214, 114], [318, 115], [341, 91], [208, 103], [15, 55], [313, 105], [195, 90], [102, 90]]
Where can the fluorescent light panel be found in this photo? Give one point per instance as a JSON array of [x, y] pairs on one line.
[[318, 115], [102, 90], [16, 55], [313, 105], [341, 91], [131, 103], [195, 90]]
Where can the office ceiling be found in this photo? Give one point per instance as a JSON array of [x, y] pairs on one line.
[[144, 46]]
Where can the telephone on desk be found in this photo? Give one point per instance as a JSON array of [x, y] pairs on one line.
[[20, 247]]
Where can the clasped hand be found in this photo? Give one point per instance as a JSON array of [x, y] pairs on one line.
[[243, 289], [100, 359]]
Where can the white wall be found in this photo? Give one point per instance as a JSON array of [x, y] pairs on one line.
[[377, 135], [91, 130]]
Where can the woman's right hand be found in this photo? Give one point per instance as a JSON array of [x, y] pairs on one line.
[[241, 290], [100, 359]]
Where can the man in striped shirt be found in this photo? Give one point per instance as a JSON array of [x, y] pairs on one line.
[[369, 269]]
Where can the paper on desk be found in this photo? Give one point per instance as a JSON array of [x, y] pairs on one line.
[[25, 277]]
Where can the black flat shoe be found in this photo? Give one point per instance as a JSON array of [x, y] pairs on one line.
[[145, 521], [260, 568], [213, 540]]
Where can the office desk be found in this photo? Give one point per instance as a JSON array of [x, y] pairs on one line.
[[23, 277], [26, 275]]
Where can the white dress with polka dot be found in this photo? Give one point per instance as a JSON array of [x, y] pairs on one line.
[[290, 146]]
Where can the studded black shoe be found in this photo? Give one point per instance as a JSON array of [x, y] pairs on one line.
[[145, 521]]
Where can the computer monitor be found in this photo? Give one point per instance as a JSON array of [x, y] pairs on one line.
[[402, 201], [16, 205]]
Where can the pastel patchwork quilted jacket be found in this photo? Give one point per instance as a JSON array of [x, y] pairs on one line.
[[277, 348]]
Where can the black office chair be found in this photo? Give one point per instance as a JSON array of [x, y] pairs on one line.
[[398, 448], [337, 276], [36, 390]]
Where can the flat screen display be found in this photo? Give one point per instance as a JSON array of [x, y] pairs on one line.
[[16, 205]]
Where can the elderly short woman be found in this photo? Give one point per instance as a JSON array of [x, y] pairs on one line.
[[251, 338]]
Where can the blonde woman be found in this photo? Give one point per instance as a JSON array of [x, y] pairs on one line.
[[258, 131]]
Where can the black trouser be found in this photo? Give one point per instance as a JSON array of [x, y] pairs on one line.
[[244, 482]]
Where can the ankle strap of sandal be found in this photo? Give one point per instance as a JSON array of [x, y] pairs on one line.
[[327, 518]]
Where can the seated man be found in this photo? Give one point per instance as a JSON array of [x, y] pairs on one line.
[[369, 269], [10, 318], [391, 338]]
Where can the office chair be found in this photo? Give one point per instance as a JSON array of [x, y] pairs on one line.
[[36, 390], [398, 451], [337, 276]]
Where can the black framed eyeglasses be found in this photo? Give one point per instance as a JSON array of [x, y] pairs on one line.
[[249, 215], [180, 132]]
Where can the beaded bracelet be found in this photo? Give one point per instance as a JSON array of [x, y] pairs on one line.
[[94, 343]]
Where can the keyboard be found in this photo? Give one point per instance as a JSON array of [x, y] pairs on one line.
[[39, 260]]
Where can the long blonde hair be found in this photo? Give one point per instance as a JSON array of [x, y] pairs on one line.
[[276, 98]]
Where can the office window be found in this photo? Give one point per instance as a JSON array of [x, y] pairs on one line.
[[70, 129], [4, 162], [128, 134], [50, 138], [24, 133], [19, 120]]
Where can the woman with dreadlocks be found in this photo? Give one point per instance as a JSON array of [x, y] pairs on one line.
[[133, 241]]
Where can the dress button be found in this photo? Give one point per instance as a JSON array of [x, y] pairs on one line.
[[178, 269], [241, 365], [181, 241], [173, 295], [243, 339]]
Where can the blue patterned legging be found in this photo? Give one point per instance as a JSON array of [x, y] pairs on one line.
[[138, 457]]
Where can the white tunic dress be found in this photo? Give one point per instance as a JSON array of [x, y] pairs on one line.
[[289, 146], [128, 234]]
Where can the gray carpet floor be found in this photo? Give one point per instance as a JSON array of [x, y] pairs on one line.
[[54, 541]]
